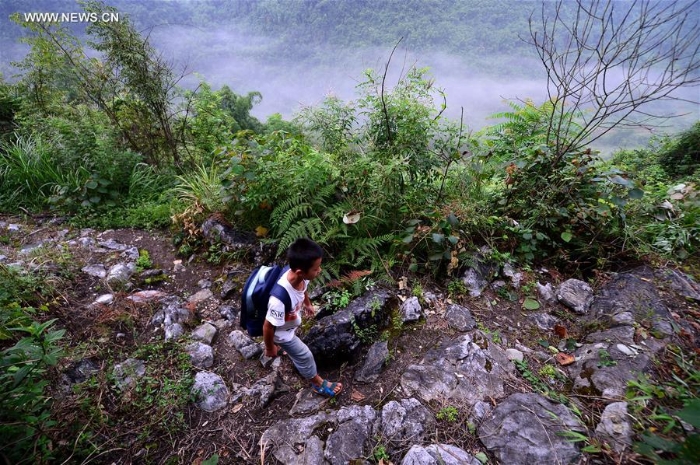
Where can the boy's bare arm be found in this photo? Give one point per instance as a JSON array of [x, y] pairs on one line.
[[308, 306], [269, 339]]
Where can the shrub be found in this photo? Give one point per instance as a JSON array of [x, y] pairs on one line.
[[681, 156], [24, 407], [556, 201]]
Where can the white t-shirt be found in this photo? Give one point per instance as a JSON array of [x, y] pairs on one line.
[[286, 325]]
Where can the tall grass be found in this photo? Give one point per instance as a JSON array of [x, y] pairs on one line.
[[29, 175]]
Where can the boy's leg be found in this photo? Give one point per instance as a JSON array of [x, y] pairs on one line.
[[304, 361]]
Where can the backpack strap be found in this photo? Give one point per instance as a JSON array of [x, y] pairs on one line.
[[283, 296]]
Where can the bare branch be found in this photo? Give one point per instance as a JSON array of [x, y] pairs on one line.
[[606, 60]]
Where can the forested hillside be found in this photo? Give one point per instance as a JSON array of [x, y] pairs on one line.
[[476, 30]]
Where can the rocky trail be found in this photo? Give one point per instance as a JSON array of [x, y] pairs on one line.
[[501, 365]]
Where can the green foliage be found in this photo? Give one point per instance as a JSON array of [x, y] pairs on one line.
[[367, 335], [681, 157], [659, 406], [556, 201], [665, 221], [449, 414], [152, 407], [551, 387], [144, 261], [675, 227], [214, 117], [25, 416], [456, 288], [380, 453], [202, 190], [336, 300]]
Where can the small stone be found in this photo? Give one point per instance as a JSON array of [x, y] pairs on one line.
[[411, 310], [201, 355], [105, 299], [98, 270], [174, 331], [204, 333], [204, 283], [201, 296], [626, 350], [623, 319], [514, 355]]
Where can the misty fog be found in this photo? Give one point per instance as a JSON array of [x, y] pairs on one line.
[[287, 86], [236, 60], [248, 61]]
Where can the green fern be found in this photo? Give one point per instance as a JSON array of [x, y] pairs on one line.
[[307, 227]]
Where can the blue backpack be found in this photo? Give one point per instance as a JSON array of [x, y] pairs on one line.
[[261, 284]]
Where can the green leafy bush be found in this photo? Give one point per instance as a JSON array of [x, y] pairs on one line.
[[681, 156], [556, 201], [25, 416]]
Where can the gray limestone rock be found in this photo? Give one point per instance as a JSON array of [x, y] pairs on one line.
[[334, 338], [200, 296], [546, 292], [252, 351], [575, 294], [130, 253], [97, 270], [204, 333], [293, 442], [308, 402], [81, 371], [411, 310], [111, 244], [468, 369], [601, 368], [480, 410], [146, 296], [544, 321], [127, 373], [514, 354], [267, 388], [614, 427], [377, 356], [525, 429], [216, 230], [680, 282], [474, 282], [120, 274], [229, 312], [104, 299], [405, 422], [515, 276], [438, 454], [459, 318], [174, 331], [352, 439], [210, 391], [201, 355], [239, 339], [244, 344], [636, 293]]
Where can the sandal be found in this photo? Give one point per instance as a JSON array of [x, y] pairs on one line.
[[326, 389]]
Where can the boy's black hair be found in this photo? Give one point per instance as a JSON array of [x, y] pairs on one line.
[[302, 254]]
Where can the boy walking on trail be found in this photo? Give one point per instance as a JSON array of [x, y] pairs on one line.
[[304, 257]]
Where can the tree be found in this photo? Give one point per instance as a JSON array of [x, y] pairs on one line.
[[130, 83], [607, 60]]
